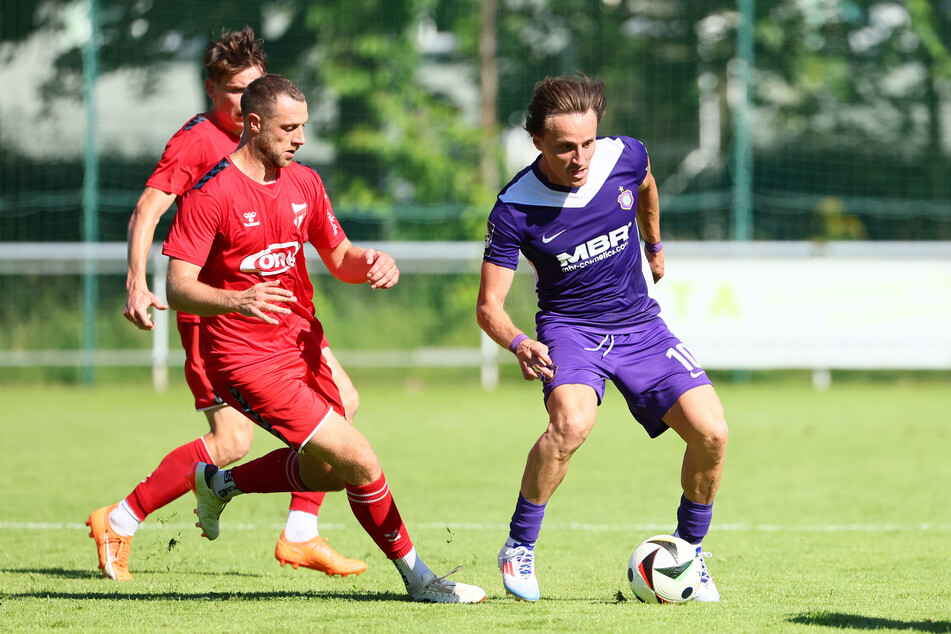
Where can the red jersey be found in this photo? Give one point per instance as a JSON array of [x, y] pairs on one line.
[[241, 233], [191, 152]]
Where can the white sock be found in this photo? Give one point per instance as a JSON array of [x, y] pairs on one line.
[[511, 543], [301, 526], [123, 520], [413, 571], [223, 486]]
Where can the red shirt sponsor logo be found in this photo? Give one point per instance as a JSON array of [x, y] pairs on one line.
[[273, 260]]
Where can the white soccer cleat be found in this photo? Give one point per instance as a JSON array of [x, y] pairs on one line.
[[440, 590], [210, 505], [518, 572], [707, 590]]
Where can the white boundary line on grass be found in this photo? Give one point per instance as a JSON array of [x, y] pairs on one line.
[[498, 526]]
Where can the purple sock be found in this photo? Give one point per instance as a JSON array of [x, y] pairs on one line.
[[693, 520], [526, 522]]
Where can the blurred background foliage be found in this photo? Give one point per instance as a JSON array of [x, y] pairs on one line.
[[417, 106]]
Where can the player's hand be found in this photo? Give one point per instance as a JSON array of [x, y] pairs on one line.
[[656, 262], [534, 361], [264, 298], [137, 306], [383, 272]]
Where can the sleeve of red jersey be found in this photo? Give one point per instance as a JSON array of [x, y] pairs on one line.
[[194, 228], [325, 231], [185, 160]]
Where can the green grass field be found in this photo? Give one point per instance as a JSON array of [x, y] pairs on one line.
[[833, 514]]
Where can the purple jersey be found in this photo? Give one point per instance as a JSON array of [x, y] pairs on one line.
[[582, 242]]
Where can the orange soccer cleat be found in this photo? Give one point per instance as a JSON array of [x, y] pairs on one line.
[[316, 554], [113, 548]]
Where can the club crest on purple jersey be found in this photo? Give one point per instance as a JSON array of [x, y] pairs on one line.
[[626, 199]]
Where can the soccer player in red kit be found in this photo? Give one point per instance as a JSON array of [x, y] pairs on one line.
[[236, 258], [231, 62]]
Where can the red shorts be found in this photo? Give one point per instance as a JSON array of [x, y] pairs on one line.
[[205, 397], [289, 397]]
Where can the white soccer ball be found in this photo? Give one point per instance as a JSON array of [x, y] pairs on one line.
[[664, 569]]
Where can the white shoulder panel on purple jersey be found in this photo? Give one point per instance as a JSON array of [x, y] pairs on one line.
[[528, 190]]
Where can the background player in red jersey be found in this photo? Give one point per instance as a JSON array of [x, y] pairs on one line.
[[236, 258], [231, 62]]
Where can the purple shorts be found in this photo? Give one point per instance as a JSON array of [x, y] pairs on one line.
[[652, 368]]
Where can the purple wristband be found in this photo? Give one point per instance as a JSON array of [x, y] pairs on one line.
[[653, 248], [519, 338]]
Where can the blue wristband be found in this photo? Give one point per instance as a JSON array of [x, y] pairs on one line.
[[653, 248], [519, 338]]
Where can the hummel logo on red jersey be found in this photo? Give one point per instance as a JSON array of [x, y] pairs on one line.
[[250, 217]]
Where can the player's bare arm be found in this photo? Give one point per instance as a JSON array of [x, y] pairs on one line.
[[187, 293], [648, 220], [152, 205], [494, 287], [354, 265]]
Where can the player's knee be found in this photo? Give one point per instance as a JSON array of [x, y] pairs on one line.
[[361, 468], [229, 450], [569, 432], [714, 434], [336, 483], [366, 459], [719, 438], [356, 461], [231, 435]]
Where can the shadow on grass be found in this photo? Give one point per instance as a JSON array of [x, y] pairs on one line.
[[859, 622], [61, 573], [64, 573], [206, 596]]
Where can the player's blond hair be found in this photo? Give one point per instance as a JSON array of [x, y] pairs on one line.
[[565, 94], [232, 53]]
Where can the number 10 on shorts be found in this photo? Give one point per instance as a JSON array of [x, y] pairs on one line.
[[680, 353]]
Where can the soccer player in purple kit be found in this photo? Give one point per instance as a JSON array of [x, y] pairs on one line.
[[571, 213]]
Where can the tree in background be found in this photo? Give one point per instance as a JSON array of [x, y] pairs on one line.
[[837, 84], [396, 142], [393, 143]]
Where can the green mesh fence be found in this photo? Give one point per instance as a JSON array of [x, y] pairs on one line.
[[845, 133], [848, 116]]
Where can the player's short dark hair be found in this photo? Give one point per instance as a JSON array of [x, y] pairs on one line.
[[260, 95], [565, 94], [232, 53]]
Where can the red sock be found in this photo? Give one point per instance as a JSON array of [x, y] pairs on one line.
[[167, 482], [277, 471], [374, 508], [308, 502]]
